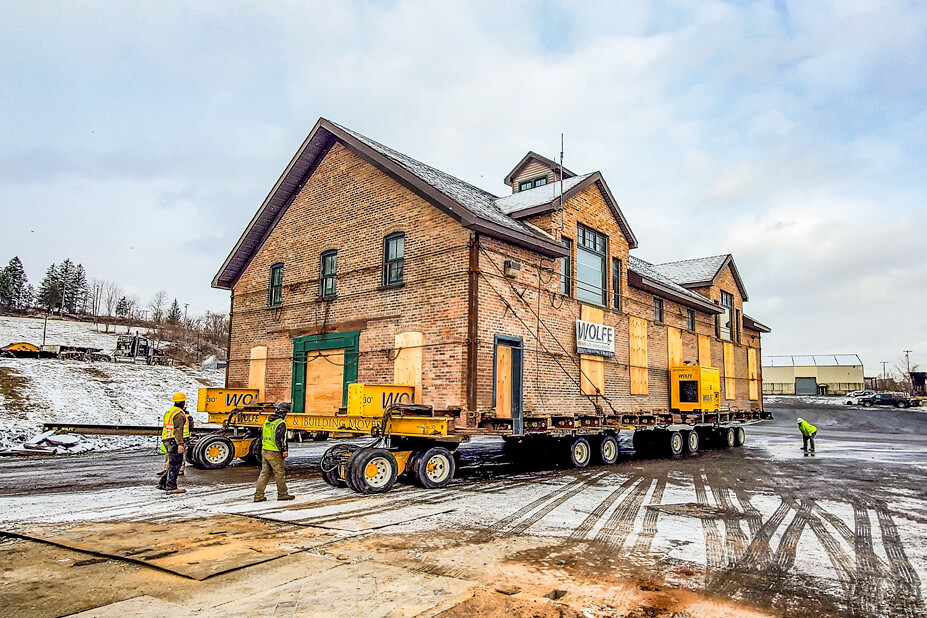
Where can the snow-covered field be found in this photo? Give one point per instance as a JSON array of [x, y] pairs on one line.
[[33, 391]]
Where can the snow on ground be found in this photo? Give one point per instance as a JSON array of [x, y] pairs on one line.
[[33, 391], [809, 400], [59, 332]]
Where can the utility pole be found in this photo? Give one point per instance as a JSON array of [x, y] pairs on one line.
[[907, 360], [882, 388]]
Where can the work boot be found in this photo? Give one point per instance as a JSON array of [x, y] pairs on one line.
[[286, 497], [176, 491], [261, 499], [161, 487]]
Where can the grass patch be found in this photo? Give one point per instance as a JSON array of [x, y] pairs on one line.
[[13, 390], [97, 373]]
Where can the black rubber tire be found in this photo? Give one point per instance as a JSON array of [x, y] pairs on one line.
[[195, 451], [215, 452], [188, 453], [867, 404], [642, 440], [331, 477], [693, 441], [905, 404], [607, 451], [726, 437], [578, 452], [740, 436], [435, 468], [255, 450], [320, 436], [385, 476], [897, 404], [675, 444]]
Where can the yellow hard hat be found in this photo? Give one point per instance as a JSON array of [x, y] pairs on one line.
[[178, 397]]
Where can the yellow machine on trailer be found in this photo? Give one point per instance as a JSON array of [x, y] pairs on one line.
[[410, 439]]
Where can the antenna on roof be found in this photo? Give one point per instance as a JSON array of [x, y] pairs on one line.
[[561, 184]]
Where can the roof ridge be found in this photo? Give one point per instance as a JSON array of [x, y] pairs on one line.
[[707, 257]]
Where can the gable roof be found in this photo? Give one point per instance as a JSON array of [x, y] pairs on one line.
[[644, 276], [753, 324], [541, 159], [472, 207], [546, 198], [701, 272]]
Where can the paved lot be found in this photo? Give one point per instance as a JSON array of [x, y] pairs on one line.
[[761, 529]]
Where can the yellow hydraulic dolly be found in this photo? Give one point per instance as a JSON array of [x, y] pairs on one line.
[[409, 438]]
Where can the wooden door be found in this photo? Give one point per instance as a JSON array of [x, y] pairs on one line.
[[324, 381]]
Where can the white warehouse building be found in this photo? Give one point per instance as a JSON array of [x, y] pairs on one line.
[[819, 374]]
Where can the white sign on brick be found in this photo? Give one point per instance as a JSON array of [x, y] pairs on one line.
[[592, 338]]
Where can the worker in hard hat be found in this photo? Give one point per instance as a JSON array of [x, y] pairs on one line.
[[172, 436], [187, 430], [274, 453], [808, 432]]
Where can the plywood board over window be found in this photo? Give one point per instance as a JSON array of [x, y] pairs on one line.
[[592, 367], [637, 343], [730, 384], [407, 368], [257, 370], [674, 346], [752, 374], [704, 351], [503, 381]]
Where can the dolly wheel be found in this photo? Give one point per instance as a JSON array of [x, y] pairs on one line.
[[641, 441], [215, 452], [435, 468], [692, 441], [580, 453], [728, 437], [373, 470], [740, 436], [608, 450], [255, 451], [329, 468], [674, 443]]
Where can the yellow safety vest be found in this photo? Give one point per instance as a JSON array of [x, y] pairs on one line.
[[806, 428], [268, 442], [167, 430]]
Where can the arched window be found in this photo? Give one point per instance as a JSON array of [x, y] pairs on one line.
[[393, 252], [275, 293]]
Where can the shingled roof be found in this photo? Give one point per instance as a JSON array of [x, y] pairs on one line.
[[701, 272], [474, 208], [645, 276]]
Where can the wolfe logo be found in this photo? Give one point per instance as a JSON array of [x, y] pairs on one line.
[[391, 398], [238, 399]]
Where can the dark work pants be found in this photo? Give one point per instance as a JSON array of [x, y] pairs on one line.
[[809, 440], [175, 458]]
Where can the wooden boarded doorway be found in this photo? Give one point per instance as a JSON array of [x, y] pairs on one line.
[[323, 366], [507, 381]]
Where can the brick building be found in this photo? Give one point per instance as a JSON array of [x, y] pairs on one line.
[[365, 265]]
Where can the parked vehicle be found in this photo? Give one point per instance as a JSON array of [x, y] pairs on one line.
[[899, 400], [864, 393]]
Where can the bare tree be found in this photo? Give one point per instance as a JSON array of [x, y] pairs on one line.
[[112, 292], [156, 306], [132, 306]]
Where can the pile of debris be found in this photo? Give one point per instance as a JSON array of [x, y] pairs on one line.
[[51, 443]]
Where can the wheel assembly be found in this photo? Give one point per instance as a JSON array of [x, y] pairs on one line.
[[334, 459], [580, 453], [641, 441], [727, 437], [740, 436], [372, 470], [692, 441], [674, 443], [434, 468], [215, 452], [255, 450], [608, 450]]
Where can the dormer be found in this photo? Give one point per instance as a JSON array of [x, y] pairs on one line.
[[533, 171]]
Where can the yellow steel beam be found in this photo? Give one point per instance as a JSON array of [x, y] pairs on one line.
[[395, 425]]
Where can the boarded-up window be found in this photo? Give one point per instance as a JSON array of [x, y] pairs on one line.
[[704, 351], [729, 381], [407, 368], [504, 381], [592, 368], [637, 343], [674, 346], [752, 375], [257, 369]]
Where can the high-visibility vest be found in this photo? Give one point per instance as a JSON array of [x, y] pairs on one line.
[[269, 443], [186, 434], [167, 430], [806, 428]]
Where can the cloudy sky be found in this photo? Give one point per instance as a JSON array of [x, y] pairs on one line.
[[139, 137]]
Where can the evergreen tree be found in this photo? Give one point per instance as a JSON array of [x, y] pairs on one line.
[[13, 282], [173, 314], [28, 297], [50, 289], [122, 308], [76, 290]]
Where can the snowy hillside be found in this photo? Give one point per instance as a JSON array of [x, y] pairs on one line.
[[33, 391]]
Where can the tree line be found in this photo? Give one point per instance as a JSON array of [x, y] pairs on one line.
[[66, 290]]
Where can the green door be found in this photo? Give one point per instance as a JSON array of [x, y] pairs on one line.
[[325, 356]]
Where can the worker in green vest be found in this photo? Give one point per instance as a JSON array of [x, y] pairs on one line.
[[808, 432], [273, 453], [172, 437]]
